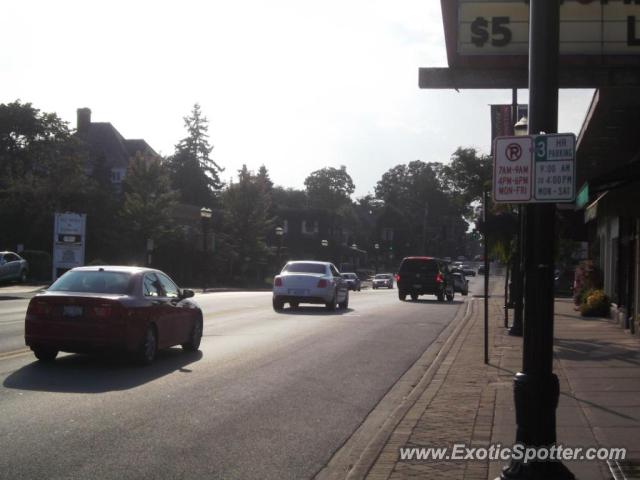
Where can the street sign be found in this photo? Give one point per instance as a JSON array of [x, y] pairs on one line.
[[587, 27], [68, 241], [534, 169], [512, 173], [554, 158]]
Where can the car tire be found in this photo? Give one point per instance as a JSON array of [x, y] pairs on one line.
[[345, 303], [402, 295], [45, 355], [450, 297], [374, 287], [331, 304], [414, 297], [440, 297], [149, 347], [23, 276], [294, 305], [278, 304], [194, 337]]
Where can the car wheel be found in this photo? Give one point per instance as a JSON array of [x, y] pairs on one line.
[[278, 304], [194, 338], [450, 297], [440, 297], [402, 295], [23, 276], [149, 347], [45, 355], [414, 297], [294, 304], [331, 304], [374, 287], [345, 303]]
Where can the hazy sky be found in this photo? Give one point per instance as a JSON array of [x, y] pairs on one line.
[[292, 84]]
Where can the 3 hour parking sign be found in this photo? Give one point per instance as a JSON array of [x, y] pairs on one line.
[[534, 169]]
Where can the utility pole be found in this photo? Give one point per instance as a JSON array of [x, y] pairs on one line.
[[516, 274], [536, 388]]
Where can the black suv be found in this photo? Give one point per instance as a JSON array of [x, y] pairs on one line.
[[424, 276]]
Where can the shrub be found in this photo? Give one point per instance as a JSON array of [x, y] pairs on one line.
[[596, 304], [587, 277], [39, 264]]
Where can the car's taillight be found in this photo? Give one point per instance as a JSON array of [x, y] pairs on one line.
[[322, 283], [39, 308], [278, 282], [103, 311], [397, 278], [439, 278]]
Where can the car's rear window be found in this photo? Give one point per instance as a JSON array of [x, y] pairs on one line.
[[419, 266], [349, 275], [93, 282], [304, 268], [382, 276]]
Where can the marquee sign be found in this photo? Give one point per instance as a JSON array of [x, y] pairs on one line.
[[591, 27]]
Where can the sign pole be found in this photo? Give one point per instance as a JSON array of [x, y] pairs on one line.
[[536, 388]]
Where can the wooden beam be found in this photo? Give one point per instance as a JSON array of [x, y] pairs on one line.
[[507, 78]]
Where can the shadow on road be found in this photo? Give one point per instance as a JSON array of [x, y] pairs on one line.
[[314, 310], [433, 301], [97, 374]]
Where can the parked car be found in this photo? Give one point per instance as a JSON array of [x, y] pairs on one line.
[[468, 270], [382, 280], [13, 267], [425, 276], [481, 270], [131, 309], [310, 282], [460, 283], [353, 281]]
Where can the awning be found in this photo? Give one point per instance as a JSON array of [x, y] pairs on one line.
[[591, 212]]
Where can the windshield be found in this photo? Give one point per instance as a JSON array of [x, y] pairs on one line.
[[92, 282], [305, 268]]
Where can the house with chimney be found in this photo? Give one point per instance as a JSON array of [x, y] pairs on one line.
[[108, 148]]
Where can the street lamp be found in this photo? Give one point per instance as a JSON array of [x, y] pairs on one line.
[[205, 215], [377, 248], [279, 234]]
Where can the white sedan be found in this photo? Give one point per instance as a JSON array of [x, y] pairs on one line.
[[310, 282]]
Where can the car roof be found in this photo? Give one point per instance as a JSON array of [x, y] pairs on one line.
[[114, 268], [309, 261], [7, 251]]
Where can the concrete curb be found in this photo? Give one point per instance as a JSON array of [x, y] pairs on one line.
[[360, 452]]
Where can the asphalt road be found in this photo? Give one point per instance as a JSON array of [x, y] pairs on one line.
[[269, 395]]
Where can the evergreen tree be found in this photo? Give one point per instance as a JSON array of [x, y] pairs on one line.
[[194, 174]]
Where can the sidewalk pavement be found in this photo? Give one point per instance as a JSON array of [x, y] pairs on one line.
[[598, 365]]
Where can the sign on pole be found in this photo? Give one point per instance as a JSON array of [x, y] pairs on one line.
[[68, 241], [534, 169], [512, 173]]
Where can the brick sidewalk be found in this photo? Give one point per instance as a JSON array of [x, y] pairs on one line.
[[472, 403]]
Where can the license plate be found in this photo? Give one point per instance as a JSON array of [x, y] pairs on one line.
[[72, 311], [417, 286], [297, 291]]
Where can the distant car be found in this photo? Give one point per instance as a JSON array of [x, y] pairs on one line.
[[481, 270], [460, 283], [383, 280], [131, 309], [13, 267], [468, 270], [310, 282], [353, 281], [425, 276]]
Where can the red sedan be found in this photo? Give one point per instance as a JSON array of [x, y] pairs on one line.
[[131, 309]]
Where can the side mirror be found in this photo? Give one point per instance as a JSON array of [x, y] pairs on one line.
[[186, 293]]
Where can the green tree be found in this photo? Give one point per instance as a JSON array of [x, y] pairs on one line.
[[246, 206], [41, 172], [194, 174], [329, 188], [148, 201]]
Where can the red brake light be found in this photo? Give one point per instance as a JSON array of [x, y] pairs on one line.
[[278, 282], [322, 283], [439, 278], [103, 311], [397, 277], [39, 308]]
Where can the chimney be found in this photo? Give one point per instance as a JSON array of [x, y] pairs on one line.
[[84, 119]]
